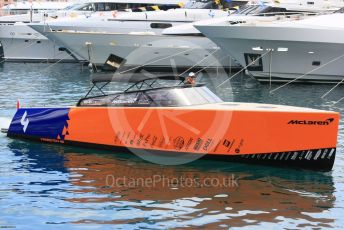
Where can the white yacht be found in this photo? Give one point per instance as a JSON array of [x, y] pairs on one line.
[[285, 49], [147, 39], [22, 43]]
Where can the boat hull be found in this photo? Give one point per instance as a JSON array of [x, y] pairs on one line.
[[283, 54], [21, 43], [151, 51], [283, 138]]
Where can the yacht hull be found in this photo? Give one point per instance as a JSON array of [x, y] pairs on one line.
[[145, 50], [283, 54], [252, 133], [21, 43]]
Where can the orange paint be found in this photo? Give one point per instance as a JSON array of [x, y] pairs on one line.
[[213, 131]]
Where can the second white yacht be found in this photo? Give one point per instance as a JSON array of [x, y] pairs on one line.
[[285, 49]]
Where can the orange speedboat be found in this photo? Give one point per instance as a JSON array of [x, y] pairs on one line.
[[163, 115]]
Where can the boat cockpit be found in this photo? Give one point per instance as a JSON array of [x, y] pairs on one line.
[[146, 91]]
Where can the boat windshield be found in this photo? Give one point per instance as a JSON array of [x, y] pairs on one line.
[[201, 4], [259, 9], [164, 97]]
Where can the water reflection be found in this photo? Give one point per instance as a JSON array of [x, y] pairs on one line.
[[122, 189]]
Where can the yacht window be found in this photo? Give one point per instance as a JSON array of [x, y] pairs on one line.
[[258, 48], [282, 49], [137, 5], [274, 10], [88, 7], [201, 4], [249, 9], [122, 6], [107, 7], [236, 22], [100, 7], [160, 25], [316, 63]]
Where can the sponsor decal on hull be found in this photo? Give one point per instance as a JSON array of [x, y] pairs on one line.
[[309, 122]]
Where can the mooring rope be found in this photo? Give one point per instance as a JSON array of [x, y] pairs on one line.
[[172, 55], [206, 67], [244, 68], [63, 58], [339, 101], [328, 92], [203, 59]]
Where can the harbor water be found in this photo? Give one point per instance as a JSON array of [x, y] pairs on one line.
[[49, 186]]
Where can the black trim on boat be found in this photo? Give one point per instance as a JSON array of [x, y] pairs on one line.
[[313, 159], [266, 79]]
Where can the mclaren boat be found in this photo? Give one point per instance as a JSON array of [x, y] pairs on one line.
[[168, 115]]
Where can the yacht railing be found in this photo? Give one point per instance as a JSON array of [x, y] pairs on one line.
[[291, 15], [6, 12]]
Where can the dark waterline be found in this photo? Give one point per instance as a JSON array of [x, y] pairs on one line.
[[53, 186]]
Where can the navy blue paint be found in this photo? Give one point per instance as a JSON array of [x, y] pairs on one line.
[[43, 122]]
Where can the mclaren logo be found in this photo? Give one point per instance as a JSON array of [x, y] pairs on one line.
[[305, 122]]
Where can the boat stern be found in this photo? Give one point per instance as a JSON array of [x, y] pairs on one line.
[[39, 124]]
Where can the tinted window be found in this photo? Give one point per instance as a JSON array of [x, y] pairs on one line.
[[122, 6], [201, 4], [88, 7], [160, 25], [100, 7]]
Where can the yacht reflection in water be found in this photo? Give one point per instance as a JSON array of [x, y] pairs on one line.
[[208, 193]]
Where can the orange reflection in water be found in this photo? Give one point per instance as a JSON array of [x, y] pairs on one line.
[[226, 195]]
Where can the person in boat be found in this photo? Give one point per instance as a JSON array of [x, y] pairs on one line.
[[191, 79]]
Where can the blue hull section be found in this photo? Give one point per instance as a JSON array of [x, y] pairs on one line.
[[40, 123]]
